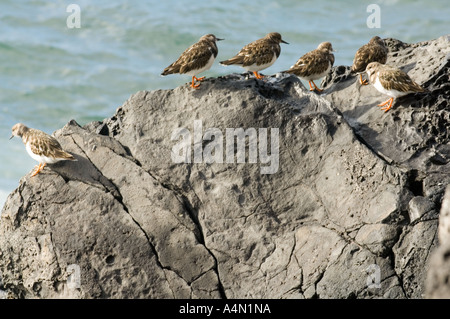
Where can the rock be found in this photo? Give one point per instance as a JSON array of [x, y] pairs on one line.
[[326, 197], [444, 219], [418, 207], [90, 214], [413, 137], [378, 238], [412, 252], [438, 276]]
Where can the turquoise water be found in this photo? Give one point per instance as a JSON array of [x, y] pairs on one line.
[[51, 74]]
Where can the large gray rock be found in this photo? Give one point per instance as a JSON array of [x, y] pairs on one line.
[[337, 216], [413, 136], [438, 276]]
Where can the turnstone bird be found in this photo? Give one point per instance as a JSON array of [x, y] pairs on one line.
[[40, 146], [196, 59], [374, 51], [258, 55], [314, 64], [391, 81]]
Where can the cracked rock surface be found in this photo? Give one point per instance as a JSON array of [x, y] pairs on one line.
[[351, 211], [438, 276]]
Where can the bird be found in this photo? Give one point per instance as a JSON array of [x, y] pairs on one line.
[[373, 51], [258, 55], [196, 59], [40, 146], [391, 81], [314, 65]]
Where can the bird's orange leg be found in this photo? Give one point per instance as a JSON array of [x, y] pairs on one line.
[[257, 75], [36, 170], [387, 108], [363, 82], [315, 87], [193, 85], [39, 169], [199, 79]]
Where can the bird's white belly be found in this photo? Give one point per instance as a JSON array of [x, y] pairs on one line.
[[254, 67], [204, 68], [319, 75], [391, 93], [39, 158]]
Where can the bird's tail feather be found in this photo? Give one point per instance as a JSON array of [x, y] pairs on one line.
[[234, 60], [171, 69], [66, 156]]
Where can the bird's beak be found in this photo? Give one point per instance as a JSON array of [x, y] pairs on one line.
[[218, 39], [11, 136], [284, 42]]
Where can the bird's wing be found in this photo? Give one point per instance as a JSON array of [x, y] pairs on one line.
[[192, 58], [258, 52], [313, 62], [366, 54], [46, 145], [197, 57], [396, 79]]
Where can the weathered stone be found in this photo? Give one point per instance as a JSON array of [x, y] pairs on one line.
[[438, 276], [419, 206], [349, 209]]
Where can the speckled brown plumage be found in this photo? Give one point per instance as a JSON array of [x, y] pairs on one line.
[[198, 58], [40, 146], [391, 81], [374, 51], [258, 55], [314, 64]]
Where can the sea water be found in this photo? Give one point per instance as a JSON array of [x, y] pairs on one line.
[[53, 70]]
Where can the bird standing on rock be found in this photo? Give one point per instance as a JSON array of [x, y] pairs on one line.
[[374, 51], [314, 64], [258, 55], [196, 59], [40, 146], [391, 81]]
